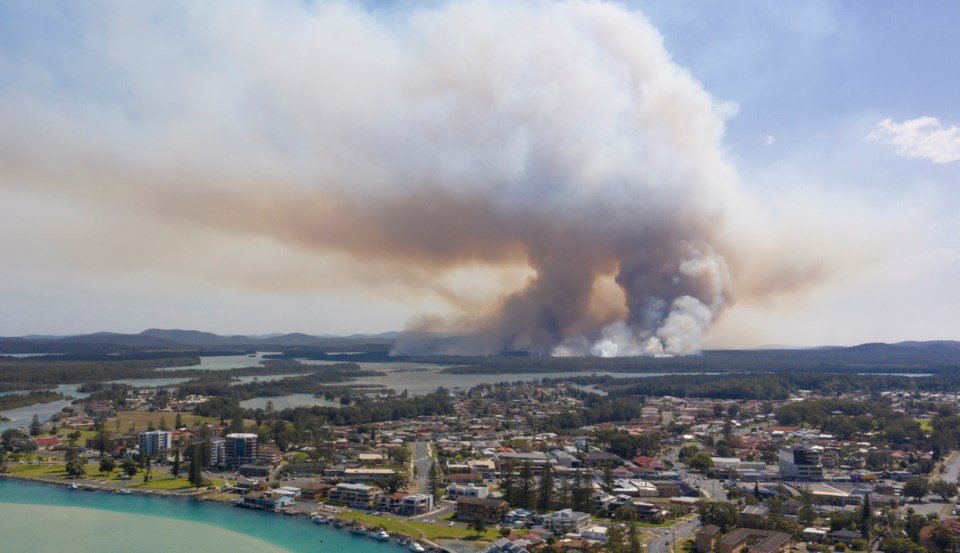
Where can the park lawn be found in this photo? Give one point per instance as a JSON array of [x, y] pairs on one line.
[[84, 435], [417, 529], [38, 470], [925, 425], [166, 483]]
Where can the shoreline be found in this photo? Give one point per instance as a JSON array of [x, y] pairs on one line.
[[204, 496]]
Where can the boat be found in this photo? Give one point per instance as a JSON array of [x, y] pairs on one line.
[[380, 534], [124, 491], [320, 519], [338, 523], [74, 487], [402, 541], [416, 547], [359, 530]]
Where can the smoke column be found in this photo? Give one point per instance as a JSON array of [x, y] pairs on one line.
[[555, 136]]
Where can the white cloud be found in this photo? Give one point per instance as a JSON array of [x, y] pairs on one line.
[[769, 140], [923, 137]]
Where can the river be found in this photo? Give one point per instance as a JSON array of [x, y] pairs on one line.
[[51, 519]]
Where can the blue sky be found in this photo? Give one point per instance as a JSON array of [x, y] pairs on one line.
[[841, 134]]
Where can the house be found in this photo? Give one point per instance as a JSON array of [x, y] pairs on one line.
[[391, 502], [463, 478], [491, 510], [565, 521], [504, 545], [47, 442], [844, 536], [360, 496], [597, 459], [594, 533], [754, 515]]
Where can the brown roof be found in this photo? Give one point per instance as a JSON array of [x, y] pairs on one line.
[[488, 501], [709, 530]]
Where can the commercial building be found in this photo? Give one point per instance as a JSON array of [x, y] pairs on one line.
[[153, 443], [240, 449], [801, 463], [417, 504]]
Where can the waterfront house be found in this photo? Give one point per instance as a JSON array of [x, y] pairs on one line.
[[360, 496]]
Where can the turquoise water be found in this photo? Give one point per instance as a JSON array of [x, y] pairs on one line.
[[44, 518]]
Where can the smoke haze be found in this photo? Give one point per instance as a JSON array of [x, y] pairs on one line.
[[554, 141]]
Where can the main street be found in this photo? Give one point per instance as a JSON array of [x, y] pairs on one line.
[[666, 537]]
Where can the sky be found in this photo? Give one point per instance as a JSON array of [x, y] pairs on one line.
[[564, 177]]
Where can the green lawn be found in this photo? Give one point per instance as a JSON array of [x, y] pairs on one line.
[[417, 529], [925, 425]]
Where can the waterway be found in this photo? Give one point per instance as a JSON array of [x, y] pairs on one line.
[[22, 416], [51, 519], [421, 378], [226, 362], [288, 401]]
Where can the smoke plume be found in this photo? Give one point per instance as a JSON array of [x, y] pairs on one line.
[[560, 137]]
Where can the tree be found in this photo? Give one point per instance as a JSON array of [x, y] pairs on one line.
[[701, 461], [525, 492], [634, 543], [866, 518], [35, 427], [178, 423], [625, 513], [479, 526], [130, 468], [76, 466], [900, 545], [607, 484], [196, 466], [434, 486], [615, 539], [175, 470], [107, 465], [582, 492], [563, 498], [916, 487], [944, 489], [545, 496], [725, 515]]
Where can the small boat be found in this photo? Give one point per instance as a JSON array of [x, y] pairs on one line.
[[320, 519], [416, 547], [359, 530], [74, 487], [402, 541], [124, 491], [338, 523], [380, 534]]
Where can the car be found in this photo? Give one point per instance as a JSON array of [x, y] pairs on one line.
[[451, 524]]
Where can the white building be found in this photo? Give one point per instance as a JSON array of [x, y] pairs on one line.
[[154, 442], [467, 490], [565, 521]]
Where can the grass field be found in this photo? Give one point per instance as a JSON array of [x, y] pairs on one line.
[[140, 420], [159, 481], [417, 529], [925, 425]]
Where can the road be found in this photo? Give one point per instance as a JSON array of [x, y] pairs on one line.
[[952, 471], [421, 462], [660, 543]]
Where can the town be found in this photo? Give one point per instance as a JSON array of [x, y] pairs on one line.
[[538, 466]]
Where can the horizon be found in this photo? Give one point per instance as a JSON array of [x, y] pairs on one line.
[[563, 178]]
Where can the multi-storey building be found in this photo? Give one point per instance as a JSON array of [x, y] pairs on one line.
[[801, 463], [360, 496], [153, 443], [240, 449]]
